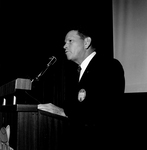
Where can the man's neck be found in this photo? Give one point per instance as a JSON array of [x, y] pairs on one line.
[[88, 52]]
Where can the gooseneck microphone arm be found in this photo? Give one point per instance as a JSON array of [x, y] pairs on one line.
[[52, 59]]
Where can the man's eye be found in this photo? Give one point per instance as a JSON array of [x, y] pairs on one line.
[[70, 41]]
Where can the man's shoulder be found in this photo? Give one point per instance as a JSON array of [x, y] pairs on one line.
[[117, 64], [116, 61]]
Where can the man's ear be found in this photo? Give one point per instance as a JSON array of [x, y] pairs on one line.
[[87, 42]]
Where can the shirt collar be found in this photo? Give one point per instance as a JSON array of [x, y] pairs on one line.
[[85, 63]]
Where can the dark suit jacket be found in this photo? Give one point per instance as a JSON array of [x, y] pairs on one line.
[[103, 83]]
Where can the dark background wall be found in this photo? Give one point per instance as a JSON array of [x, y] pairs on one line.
[[34, 31]]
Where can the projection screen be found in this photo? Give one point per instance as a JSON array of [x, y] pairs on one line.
[[130, 41]]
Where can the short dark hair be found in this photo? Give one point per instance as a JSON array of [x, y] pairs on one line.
[[87, 32]]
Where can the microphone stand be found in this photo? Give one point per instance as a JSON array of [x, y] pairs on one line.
[[51, 62]]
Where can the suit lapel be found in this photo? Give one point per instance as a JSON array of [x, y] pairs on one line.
[[89, 68]]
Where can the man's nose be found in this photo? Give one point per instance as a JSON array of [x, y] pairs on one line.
[[65, 46]]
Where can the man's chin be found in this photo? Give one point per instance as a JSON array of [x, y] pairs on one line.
[[68, 57]]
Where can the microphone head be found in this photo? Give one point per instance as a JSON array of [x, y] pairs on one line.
[[52, 59]]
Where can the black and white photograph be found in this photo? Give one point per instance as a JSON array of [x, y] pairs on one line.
[[73, 75]]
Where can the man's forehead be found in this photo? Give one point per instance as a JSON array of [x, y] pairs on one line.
[[72, 35]]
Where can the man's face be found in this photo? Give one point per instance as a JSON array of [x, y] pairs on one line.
[[74, 46]]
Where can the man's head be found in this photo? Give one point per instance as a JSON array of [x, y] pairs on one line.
[[77, 46]]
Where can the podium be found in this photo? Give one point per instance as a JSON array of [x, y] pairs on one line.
[[30, 128], [33, 129], [15, 90]]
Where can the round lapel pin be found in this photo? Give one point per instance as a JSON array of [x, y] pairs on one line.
[[81, 95]]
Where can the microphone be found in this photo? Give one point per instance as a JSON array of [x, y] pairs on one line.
[[52, 59]]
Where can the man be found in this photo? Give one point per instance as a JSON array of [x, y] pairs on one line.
[[92, 98]]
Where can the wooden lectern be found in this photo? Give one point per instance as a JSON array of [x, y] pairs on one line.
[[10, 92], [30, 128]]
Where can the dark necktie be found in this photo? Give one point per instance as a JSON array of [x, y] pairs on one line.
[[79, 70]]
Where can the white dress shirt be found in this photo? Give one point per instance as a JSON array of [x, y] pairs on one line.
[[85, 63]]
